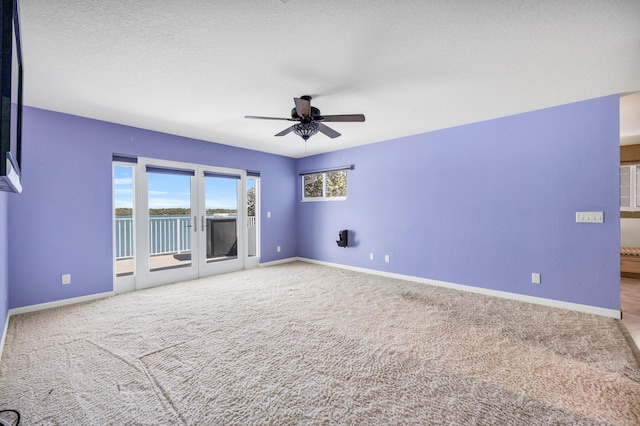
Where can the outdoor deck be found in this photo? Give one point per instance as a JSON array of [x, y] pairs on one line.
[[161, 261], [170, 241]]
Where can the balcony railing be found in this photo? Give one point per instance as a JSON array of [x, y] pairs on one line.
[[166, 235], [124, 238], [251, 221]]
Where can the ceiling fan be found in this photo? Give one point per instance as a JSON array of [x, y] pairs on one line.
[[309, 120]]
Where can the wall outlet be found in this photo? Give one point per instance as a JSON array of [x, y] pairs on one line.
[[535, 278], [66, 279], [268, 215], [386, 258], [370, 256], [278, 249]]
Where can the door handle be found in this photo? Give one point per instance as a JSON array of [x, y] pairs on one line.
[[195, 224], [202, 223]]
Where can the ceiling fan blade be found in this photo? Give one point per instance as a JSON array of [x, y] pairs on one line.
[[285, 131], [328, 131], [268, 118], [303, 106], [341, 118]]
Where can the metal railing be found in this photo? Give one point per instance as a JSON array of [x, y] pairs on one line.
[[166, 235], [169, 235], [124, 238]]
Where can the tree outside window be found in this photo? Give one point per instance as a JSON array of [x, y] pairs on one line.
[[324, 186]]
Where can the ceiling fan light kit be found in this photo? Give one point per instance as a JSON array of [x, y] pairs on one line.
[[310, 120], [306, 130]]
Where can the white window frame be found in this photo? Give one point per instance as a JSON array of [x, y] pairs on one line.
[[634, 183], [324, 187], [124, 283]]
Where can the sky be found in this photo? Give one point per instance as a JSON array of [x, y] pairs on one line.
[[173, 191]]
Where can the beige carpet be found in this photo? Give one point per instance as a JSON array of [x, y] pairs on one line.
[[306, 344]]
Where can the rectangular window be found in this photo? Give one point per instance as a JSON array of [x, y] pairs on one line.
[[630, 188], [313, 185], [324, 186]]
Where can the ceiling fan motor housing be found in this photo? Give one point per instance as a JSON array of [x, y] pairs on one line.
[[315, 112]]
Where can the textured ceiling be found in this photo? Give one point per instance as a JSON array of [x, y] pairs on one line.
[[196, 67]]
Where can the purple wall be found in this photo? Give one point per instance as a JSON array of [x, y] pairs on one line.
[[484, 205], [64, 213], [4, 259]]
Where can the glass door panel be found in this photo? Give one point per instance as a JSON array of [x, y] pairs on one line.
[[222, 245], [165, 225], [123, 220], [169, 220], [221, 205]]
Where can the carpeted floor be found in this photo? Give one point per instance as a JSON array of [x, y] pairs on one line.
[[306, 344]]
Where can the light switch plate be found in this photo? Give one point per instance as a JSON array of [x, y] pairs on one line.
[[590, 217]]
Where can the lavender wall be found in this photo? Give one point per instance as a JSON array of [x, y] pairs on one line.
[[64, 213], [484, 205], [4, 259]]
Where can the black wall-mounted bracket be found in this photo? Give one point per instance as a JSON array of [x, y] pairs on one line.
[[344, 238]]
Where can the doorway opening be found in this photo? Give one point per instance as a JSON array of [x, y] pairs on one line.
[[629, 192], [177, 221]]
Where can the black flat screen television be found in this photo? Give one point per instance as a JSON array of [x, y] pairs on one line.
[[11, 86]]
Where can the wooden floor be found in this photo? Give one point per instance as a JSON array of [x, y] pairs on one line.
[[630, 305]]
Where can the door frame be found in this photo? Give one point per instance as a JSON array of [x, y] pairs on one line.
[[127, 282], [144, 277], [219, 267], [253, 261]]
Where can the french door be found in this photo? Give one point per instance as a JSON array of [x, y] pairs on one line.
[[222, 222], [190, 221]]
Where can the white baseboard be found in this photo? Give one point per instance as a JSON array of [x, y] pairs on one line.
[[4, 334], [611, 313], [58, 303], [281, 261]]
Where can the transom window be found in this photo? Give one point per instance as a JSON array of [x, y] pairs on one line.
[[324, 186]]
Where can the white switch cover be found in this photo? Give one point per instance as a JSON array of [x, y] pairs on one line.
[[386, 258], [66, 279], [535, 278], [278, 249], [590, 217], [268, 215], [370, 256]]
